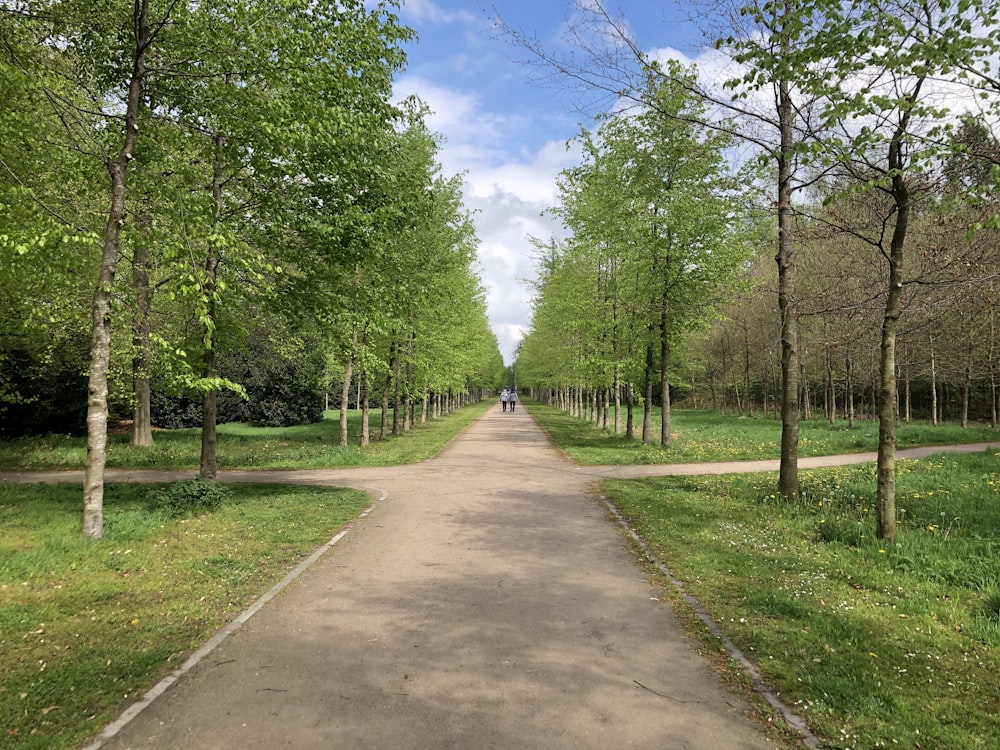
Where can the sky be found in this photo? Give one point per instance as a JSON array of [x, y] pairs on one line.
[[504, 132]]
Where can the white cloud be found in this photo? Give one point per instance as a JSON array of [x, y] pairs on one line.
[[430, 12], [508, 189]]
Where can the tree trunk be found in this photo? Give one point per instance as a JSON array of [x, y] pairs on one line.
[[934, 398], [142, 422], [849, 389], [618, 400], [647, 407], [885, 493], [365, 408], [966, 388], [209, 409], [345, 391], [629, 411], [665, 367], [100, 338], [397, 398], [831, 390], [788, 473], [747, 387], [209, 404], [804, 389], [991, 361], [384, 425]]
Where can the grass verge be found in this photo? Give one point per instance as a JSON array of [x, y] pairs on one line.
[[87, 627], [241, 446], [699, 437]]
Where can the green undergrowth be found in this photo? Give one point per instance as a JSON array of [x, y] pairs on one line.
[[241, 446], [874, 643], [86, 627], [702, 436]]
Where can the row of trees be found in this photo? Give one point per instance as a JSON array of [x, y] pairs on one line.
[[856, 109], [657, 226], [225, 181]]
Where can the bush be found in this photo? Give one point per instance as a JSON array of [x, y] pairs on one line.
[[45, 390], [174, 412], [283, 380], [191, 497], [284, 387]]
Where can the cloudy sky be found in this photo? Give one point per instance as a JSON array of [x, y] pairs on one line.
[[505, 133]]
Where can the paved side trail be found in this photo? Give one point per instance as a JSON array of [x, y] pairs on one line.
[[485, 602]]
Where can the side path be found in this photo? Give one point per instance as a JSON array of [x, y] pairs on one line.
[[485, 601]]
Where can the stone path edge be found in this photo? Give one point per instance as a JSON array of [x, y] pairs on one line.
[[793, 720]]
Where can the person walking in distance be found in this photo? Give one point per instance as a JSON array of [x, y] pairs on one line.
[[512, 400], [504, 397]]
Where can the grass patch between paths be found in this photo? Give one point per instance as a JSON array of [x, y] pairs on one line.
[[242, 446], [700, 437]]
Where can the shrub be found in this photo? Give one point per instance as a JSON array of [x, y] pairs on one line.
[[45, 389], [190, 497]]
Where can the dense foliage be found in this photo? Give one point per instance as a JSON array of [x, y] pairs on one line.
[[277, 207]]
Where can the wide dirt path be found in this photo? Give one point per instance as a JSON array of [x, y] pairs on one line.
[[485, 602]]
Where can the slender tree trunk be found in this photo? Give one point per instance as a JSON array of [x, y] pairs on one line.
[[907, 393], [618, 400], [831, 390], [665, 366], [966, 388], [397, 397], [365, 408], [629, 411], [100, 338], [934, 395], [345, 391], [647, 407], [747, 380], [991, 362], [142, 421], [384, 425], [849, 389], [804, 386], [209, 407], [788, 473], [885, 492]]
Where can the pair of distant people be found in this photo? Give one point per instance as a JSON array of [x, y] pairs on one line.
[[508, 398]]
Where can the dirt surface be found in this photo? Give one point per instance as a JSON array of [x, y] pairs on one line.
[[485, 601]]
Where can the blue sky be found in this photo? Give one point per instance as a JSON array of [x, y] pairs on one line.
[[505, 134]]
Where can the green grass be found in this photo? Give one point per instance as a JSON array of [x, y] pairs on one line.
[[875, 644], [86, 627], [241, 446], [699, 437]]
